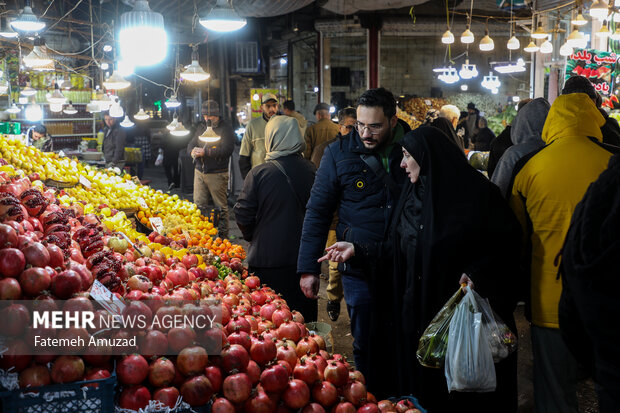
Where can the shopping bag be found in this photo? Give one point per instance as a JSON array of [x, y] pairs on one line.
[[160, 159], [432, 346], [502, 341], [469, 363]]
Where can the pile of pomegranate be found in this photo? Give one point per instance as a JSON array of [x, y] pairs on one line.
[[269, 361]]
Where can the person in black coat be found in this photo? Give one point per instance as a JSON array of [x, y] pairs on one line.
[[270, 212], [589, 306], [451, 225], [482, 141]]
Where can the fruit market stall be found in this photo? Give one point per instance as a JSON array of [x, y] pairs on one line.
[[75, 247]]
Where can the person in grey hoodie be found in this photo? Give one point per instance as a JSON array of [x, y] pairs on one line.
[[525, 134]]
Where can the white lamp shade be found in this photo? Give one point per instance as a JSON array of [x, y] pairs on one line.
[[172, 102], [141, 115], [28, 91], [142, 38], [575, 39], [116, 82], [546, 47], [513, 43], [127, 123], [116, 111], [599, 10], [13, 109], [486, 44], [55, 107], [179, 130], [566, 50], [27, 22], [223, 18], [209, 136], [531, 48], [34, 113], [70, 109], [467, 37], [194, 73], [579, 20], [57, 97], [447, 38]]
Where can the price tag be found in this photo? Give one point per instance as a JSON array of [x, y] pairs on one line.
[[136, 180], [142, 203], [85, 182], [61, 154], [106, 298], [157, 224], [428, 102]]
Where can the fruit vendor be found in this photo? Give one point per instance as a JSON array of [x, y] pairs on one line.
[[252, 152], [38, 137], [113, 143], [359, 177], [211, 164]]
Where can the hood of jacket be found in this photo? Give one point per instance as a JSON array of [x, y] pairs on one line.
[[572, 115], [529, 123]]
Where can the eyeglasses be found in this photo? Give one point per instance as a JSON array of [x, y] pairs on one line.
[[374, 128]]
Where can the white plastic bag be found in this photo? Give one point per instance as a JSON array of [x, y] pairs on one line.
[[502, 341], [160, 158], [469, 362]]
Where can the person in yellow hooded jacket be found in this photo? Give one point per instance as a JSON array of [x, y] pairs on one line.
[[546, 189]]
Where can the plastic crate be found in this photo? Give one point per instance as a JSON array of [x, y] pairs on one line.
[[65, 398], [411, 399]]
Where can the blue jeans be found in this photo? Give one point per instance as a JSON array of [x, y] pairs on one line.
[[357, 297]]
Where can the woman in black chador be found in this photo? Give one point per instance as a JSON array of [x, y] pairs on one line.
[[451, 225]]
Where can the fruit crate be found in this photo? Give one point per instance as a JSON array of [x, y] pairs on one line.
[[66, 398]]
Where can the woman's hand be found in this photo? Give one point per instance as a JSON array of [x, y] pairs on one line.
[[339, 252], [465, 281]]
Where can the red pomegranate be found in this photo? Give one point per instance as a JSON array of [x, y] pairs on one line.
[[132, 369]]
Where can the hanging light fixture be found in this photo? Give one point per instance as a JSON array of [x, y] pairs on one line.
[[486, 43], [464, 88], [6, 30], [546, 47], [70, 109], [209, 135], [14, 108], [141, 115], [579, 20], [57, 97], [27, 22], [447, 37], [116, 111], [194, 72], [468, 71], [616, 34], [566, 50], [467, 37], [38, 56], [447, 75], [174, 123], [576, 39], [116, 82], [513, 43], [179, 130], [531, 48], [490, 82], [540, 33], [172, 102], [104, 102], [142, 38], [127, 123], [509, 68], [66, 84], [55, 107], [28, 91], [223, 18], [603, 32], [33, 112], [599, 10]]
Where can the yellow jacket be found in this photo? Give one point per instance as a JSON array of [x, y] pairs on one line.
[[549, 186]]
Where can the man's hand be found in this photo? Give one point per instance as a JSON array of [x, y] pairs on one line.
[[309, 284], [338, 252], [465, 281], [197, 152]]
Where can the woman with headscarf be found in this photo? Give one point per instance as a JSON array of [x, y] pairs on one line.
[[270, 212], [446, 127], [482, 141], [526, 137], [451, 225]]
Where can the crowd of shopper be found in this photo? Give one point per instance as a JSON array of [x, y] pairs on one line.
[[407, 220]]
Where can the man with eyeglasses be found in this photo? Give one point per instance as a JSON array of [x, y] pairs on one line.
[[346, 123], [359, 178]]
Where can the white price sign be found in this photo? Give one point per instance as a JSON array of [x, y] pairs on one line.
[[157, 224], [142, 203], [85, 182], [106, 298], [428, 102], [61, 154]]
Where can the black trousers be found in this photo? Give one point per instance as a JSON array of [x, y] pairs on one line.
[[171, 167]]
